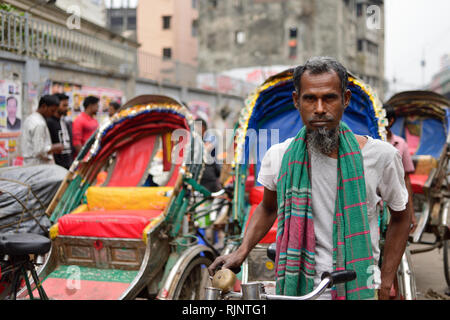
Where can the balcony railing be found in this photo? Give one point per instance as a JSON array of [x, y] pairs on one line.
[[25, 35]]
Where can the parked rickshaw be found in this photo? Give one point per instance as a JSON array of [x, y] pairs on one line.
[[121, 217], [422, 119], [271, 107]]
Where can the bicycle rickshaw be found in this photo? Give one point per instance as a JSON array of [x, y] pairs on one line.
[[121, 227], [422, 119], [271, 107]]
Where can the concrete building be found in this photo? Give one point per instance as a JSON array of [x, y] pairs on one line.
[[167, 31], [237, 34]]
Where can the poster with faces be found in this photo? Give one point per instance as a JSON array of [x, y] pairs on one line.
[[10, 106]]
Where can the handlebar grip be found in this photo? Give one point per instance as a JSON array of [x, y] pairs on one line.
[[341, 276]]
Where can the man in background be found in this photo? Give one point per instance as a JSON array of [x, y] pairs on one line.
[[113, 108], [36, 143], [60, 131], [13, 122], [400, 144], [85, 124]]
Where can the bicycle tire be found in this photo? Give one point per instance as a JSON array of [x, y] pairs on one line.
[[446, 247], [196, 292]]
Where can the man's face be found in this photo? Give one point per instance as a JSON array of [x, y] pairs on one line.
[[63, 107], [94, 108], [50, 111], [320, 100], [111, 111], [11, 108], [321, 107]]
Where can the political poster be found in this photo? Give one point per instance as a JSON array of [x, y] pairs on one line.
[[10, 106]]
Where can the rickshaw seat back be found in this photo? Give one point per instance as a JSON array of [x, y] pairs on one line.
[[256, 195], [127, 198], [132, 163], [424, 164], [255, 198], [134, 160], [432, 138]]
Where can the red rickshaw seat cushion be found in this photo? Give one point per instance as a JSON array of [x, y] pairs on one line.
[[256, 195], [271, 235], [417, 182], [107, 224]]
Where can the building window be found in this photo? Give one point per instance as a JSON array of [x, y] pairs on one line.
[[194, 4], [360, 45], [166, 22], [117, 22], [131, 23], [194, 28], [359, 9], [213, 4], [293, 33], [239, 37], [167, 53]]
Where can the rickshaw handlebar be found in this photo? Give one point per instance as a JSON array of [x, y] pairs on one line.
[[255, 290]]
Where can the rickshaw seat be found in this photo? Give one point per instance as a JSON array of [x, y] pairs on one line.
[[418, 182], [108, 224], [255, 198], [423, 164], [114, 212], [256, 195], [271, 235]]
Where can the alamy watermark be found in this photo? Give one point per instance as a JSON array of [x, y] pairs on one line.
[[74, 20], [373, 17]]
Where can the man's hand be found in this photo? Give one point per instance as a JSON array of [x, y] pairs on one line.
[[394, 247], [230, 261], [384, 293], [263, 218], [413, 223]]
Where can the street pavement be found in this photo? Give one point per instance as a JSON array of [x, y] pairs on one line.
[[428, 270]]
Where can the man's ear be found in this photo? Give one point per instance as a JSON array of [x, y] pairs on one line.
[[347, 97], [295, 98]]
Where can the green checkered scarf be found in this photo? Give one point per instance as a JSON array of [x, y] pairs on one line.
[[352, 249]]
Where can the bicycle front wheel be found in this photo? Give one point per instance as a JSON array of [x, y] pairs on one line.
[[446, 261]]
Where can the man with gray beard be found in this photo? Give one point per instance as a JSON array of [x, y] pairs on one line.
[[324, 184]]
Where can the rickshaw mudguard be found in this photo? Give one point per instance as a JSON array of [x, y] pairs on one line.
[[170, 283]]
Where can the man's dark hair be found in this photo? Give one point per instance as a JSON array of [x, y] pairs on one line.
[[11, 98], [90, 100], [390, 111], [115, 105], [48, 100], [62, 96], [319, 65]]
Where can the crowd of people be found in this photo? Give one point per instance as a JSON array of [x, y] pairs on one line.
[[49, 136]]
